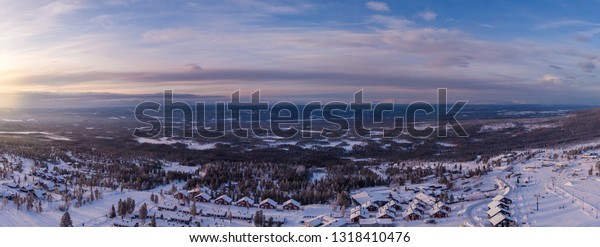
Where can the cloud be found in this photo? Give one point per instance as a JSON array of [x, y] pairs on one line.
[[458, 61], [586, 36], [274, 79], [62, 7], [564, 23], [519, 102], [167, 35], [587, 66], [550, 79], [95, 100], [555, 66], [248, 44], [120, 3], [26, 20], [428, 15], [378, 6], [193, 67], [271, 8], [581, 38]]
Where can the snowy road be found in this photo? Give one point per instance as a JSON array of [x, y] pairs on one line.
[[472, 219]]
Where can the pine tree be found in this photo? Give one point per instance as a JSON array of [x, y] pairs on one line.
[[39, 207], [66, 221], [112, 213], [258, 218], [143, 213], [29, 202], [153, 220], [193, 210], [121, 208], [130, 205]]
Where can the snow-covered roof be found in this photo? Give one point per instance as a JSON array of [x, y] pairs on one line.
[[493, 211], [384, 211], [379, 197], [205, 189], [293, 202], [204, 195], [494, 204], [12, 185], [246, 199], [368, 204], [6, 193], [436, 210], [415, 205], [374, 221], [398, 197], [62, 188], [225, 198], [498, 198], [335, 223], [425, 198], [391, 203], [50, 185], [27, 188], [358, 212], [195, 190], [410, 211], [364, 197], [167, 206], [389, 208], [499, 218], [268, 201], [39, 193], [314, 222]]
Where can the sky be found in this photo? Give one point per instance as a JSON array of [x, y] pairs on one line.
[[486, 52]]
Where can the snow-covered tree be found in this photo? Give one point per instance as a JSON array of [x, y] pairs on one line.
[[143, 213], [153, 220], [65, 220], [112, 213]]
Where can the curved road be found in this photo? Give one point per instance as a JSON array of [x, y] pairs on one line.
[[470, 211]]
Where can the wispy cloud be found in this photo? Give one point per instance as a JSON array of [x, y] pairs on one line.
[[168, 34], [428, 15], [274, 8], [586, 36], [288, 48], [563, 23], [555, 67], [587, 66], [94, 100], [550, 79], [378, 6], [459, 61]]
